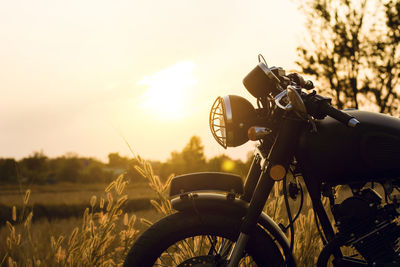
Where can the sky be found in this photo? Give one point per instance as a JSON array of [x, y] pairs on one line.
[[88, 77]]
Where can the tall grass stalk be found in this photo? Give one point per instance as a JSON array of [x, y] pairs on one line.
[[307, 243], [307, 240], [161, 203], [106, 232], [104, 237]]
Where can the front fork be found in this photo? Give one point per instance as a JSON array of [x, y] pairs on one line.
[[274, 168]]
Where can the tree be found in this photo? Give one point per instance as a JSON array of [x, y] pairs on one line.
[[69, 169], [95, 173], [223, 163], [35, 167], [193, 154], [352, 53], [190, 159], [384, 62], [116, 161], [8, 170]]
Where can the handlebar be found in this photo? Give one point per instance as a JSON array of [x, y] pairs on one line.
[[338, 115], [319, 107]]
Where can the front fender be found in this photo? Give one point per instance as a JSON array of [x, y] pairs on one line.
[[228, 203]]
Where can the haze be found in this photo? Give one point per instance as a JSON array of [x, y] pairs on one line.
[[82, 76]]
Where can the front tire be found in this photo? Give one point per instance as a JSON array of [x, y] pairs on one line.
[[195, 239]]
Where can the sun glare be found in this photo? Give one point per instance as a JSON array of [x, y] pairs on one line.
[[168, 91]]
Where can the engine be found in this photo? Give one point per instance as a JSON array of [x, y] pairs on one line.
[[369, 227]]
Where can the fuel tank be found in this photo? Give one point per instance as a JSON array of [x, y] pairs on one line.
[[338, 154]]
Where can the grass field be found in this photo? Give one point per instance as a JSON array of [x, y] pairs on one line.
[[62, 201], [38, 243], [66, 193], [103, 232], [100, 232], [42, 230]]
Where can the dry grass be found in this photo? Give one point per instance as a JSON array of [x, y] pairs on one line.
[[68, 193], [93, 242], [307, 243], [102, 238]]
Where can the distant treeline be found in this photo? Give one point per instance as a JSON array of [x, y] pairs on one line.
[[62, 211], [40, 169]]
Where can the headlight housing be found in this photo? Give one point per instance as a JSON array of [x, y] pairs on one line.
[[230, 118], [262, 81]]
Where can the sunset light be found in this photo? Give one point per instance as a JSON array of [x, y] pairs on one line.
[[78, 75], [196, 133], [168, 90]]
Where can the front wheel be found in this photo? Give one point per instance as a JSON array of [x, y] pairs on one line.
[[200, 239]]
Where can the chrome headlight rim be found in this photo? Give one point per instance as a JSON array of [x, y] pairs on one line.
[[230, 118], [228, 109], [218, 114]]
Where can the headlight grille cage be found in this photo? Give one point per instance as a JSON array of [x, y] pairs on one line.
[[217, 121]]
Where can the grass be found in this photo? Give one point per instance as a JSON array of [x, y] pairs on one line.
[[104, 232], [42, 231], [67, 200], [92, 242], [101, 237], [67, 193]]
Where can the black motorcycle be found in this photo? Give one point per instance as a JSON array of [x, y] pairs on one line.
[[220, 221]]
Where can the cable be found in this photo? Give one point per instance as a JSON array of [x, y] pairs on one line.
[[301, 203], [289, 214], [292, 220], [262, 59]]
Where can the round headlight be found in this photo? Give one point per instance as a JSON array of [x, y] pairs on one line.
[[230, 118]]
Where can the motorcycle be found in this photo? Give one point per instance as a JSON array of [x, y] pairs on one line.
[[219, 220]]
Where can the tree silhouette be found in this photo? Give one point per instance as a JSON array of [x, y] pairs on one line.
[[34, 168], [353, 53], [8, 170], [384, 62], [190, 159], [116, 161], [193, 154]]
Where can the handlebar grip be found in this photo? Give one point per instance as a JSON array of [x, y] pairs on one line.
[[338, 115]]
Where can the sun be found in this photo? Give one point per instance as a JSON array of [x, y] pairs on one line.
[[168, 91]]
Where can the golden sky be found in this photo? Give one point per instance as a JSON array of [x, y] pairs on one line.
[[80, 76]]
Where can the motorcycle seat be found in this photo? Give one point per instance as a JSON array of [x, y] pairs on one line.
[[206, 181]]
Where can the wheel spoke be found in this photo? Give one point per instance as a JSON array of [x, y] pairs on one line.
[[190, 247], [212, 250], [201, 242], [247, 261], [171, 256], [197, 246], [162, 262], [187, 239], [225, 247]]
